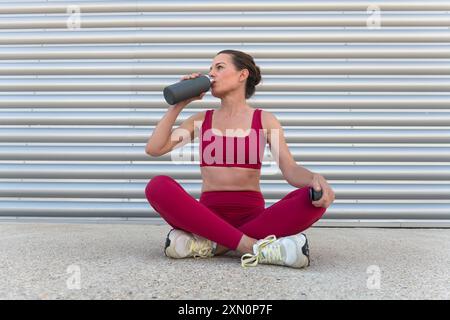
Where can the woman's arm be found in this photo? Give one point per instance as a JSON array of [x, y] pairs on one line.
[[163, 130], [164, 139], [294, 174]]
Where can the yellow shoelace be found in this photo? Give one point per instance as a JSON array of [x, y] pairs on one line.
[[201, 249], [271, 254]]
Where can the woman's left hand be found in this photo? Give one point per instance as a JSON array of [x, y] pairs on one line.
[[318, 182]]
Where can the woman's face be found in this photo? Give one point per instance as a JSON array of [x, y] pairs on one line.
[[226, 77]]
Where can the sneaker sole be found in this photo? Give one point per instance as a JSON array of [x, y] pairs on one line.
[[305, 250], [167, 245]]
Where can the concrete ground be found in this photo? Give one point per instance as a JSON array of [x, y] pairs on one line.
[[123, 261]]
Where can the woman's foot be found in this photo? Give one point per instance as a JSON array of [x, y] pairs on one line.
[[291, 251], [181, 244]]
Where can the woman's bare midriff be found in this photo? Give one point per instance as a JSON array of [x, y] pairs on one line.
[[230, 179]]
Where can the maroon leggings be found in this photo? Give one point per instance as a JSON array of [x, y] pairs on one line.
[[225, 216]]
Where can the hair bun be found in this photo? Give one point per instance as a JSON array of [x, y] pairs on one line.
[[257, 75]]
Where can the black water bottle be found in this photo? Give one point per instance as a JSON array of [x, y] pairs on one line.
[[314, 195], [186, 89]]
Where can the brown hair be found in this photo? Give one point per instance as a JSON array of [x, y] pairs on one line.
[[242, 60]]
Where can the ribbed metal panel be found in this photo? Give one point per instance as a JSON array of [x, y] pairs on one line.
[[292, 67], [205, 51], [300, 153], [262, 99], [360, 87], [295, 84], [225, 20], [225, 36], [205, 5]]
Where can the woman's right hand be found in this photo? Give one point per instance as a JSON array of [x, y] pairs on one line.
[[187, 101]]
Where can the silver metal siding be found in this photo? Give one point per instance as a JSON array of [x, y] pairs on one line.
[[366, 105]]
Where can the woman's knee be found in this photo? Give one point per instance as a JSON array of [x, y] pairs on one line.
[[316, 212], [157, 185], [321, 212]]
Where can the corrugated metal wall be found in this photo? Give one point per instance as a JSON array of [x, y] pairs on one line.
[[361, 88]]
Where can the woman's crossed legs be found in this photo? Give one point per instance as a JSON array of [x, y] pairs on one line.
[[288, 216]]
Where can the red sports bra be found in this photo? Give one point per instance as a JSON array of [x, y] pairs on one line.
[[228, 151]]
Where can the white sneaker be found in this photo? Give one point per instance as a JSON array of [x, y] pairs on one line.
[[181, 244], [291, 251]]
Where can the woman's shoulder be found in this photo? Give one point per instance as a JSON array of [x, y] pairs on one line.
[[269, 120]]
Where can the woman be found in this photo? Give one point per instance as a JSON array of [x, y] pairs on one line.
[[230, 214]]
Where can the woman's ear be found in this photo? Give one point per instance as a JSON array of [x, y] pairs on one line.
[[244, 75]]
